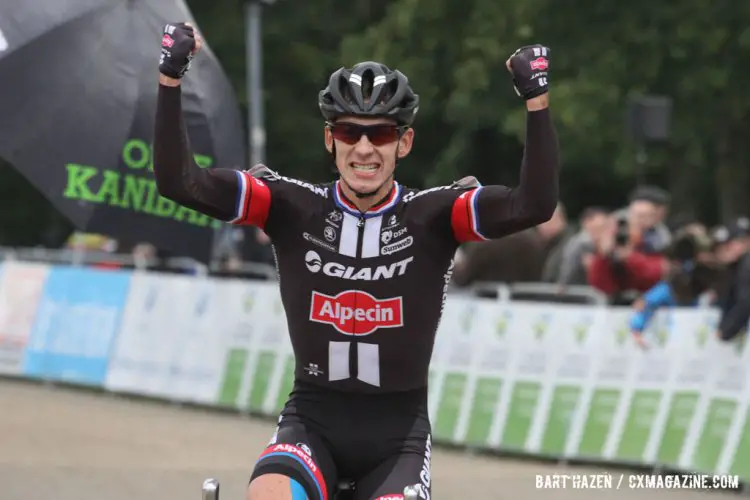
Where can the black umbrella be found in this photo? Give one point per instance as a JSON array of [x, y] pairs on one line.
[[79, 84]]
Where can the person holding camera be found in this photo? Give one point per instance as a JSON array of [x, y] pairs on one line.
[[733, 250], [620, 263]]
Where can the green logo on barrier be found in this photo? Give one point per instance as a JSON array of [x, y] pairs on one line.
[[501, 325], [581, 328], [622, 334], [134, 191], [541, 326], [701, 335], [661, 335], [739, 343]]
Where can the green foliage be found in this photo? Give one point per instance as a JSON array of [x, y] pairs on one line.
[[602, 53], [470, 120]]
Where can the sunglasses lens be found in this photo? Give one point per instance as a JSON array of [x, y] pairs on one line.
[[378, 135], [348, 134], [382, 134]]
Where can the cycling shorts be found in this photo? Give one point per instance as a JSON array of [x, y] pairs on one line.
[[380, 442]]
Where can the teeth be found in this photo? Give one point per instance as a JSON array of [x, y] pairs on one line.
[[364, 168]]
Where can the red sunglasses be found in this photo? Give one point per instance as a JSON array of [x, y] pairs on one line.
[[378, 135]]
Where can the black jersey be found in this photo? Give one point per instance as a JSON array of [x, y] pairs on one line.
[[363, 291]]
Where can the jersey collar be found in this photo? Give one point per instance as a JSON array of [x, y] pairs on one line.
[[389, 201]]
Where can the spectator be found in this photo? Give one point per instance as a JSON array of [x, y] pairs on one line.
[[259, 248], [144, 255], [516, 258], [578, 251], [619, 265], [555, 234], [692, 272], [647, 212], [733, 249]]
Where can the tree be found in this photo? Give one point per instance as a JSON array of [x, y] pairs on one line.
[[300, 42], [602, 53]]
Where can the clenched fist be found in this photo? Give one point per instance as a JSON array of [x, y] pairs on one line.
[[529, 66], [179, 44]]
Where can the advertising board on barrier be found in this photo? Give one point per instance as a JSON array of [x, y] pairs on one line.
[[259, 366], [21, 285], [76, 322], [543, 379], [169, 343], [563, 380], [204, 340]]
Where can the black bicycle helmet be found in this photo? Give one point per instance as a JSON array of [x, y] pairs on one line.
[[369, 89]]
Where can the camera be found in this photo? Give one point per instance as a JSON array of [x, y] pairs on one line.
[[622, 233]]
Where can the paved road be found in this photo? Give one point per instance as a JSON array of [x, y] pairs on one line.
[[69, 445]]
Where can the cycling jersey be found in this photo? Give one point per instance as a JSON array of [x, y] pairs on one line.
[[363, 291]]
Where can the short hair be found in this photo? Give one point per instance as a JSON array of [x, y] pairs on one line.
[[654, 194], [590, 212]]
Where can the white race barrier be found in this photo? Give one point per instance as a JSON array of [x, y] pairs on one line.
[[537, 378]]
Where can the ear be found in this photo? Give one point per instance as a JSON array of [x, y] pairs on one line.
[[328, 139], [405, 143]]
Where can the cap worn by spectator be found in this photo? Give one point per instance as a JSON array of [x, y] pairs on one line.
[[737, 228]]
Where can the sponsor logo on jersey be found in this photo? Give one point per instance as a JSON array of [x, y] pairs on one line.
[[424, 475], [397, 246], [334, 218], [392, 221], [317, 241], [391, 497], [313, 369], [335, 270], [392, 234], [386, 236], [320, 191], [305, 448], [414, 194], [270, 174], [355, 312], [329, 233], [446, 284], [290, 448]]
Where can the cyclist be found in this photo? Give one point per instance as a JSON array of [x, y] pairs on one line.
[[364, 265]]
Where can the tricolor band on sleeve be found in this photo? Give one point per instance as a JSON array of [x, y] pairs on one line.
[[253, 201], [465, 217]]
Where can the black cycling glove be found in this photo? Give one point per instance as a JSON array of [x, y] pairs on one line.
[[177, 45], [529, 66]]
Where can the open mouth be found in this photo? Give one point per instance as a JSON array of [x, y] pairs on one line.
[[365, 169]]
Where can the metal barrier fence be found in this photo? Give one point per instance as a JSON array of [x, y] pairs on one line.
[[531, 292]]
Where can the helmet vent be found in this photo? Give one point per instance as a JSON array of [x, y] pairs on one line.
[[368, 79]]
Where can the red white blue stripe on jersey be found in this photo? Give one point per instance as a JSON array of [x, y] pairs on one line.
[[465, 217], [391, 201], [298, 455], [253, 201]]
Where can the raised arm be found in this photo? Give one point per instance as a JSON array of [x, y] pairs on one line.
[[212, 192], [494, 211]]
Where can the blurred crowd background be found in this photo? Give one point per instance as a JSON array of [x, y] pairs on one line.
[[649, 101]]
